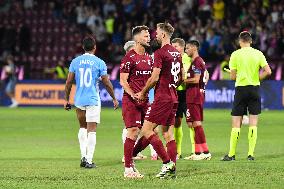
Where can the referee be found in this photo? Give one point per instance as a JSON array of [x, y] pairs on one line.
[[245, 64], [179, 44]]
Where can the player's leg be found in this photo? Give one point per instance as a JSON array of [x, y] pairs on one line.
[[92, 119], [252, 135], [154, 155], [167, 132], [82, 135], [238, 110], [178, 134], [254, 108], [132, 120], [123, 137]]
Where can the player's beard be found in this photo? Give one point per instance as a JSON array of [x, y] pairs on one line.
[[155, 45]]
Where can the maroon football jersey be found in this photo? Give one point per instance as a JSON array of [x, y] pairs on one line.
[[139, 68], [195, 92], [168, 59]]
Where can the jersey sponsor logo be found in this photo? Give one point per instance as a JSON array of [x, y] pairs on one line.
[[138, 62], [145, 72]]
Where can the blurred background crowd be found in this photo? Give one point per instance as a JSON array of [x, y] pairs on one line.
[[42, 35]]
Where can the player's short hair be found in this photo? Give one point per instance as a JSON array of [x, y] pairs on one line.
[[166, 27], [128, 45], [138, 29], [194, 43], [245, 36], [89, 43], [179, 41]]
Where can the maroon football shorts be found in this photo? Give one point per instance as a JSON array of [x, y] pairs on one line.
[[162, 113], [194, 112], [133, 113]]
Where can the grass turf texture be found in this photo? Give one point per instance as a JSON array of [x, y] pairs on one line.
[[39, 149]]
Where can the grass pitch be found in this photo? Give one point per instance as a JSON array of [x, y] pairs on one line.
[[39, 149]]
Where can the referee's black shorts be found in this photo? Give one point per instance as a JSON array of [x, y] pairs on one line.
[[246, 98], [181, 110]]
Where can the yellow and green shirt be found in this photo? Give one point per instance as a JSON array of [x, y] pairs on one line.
[[186, 62], [247, 61]]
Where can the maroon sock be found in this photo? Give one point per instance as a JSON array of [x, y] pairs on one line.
[[140, 146], [128, 151], [172, 150], [159, 148], [201, 139]]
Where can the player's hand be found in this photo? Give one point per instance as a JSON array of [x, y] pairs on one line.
[[140, 96], [67, 106], [115, 104]]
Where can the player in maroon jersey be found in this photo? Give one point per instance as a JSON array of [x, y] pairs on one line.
[[135, 70], [166, 75], [195, 95]]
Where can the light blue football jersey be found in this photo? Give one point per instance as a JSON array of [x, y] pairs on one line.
[[87, 68]]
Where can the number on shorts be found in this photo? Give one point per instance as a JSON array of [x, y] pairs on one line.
[[85, 77]]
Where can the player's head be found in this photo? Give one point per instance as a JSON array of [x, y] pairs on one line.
[[245, 38], [89, 44], [164, 31], [128, 46], [179, 44], [141, 35], [192, 47]]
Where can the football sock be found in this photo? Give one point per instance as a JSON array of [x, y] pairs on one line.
[[82, 137], [235, 135], [124, 134], [91, 144], [192, 135], [141, 145], [200, 140], [172, 150], [178, 134], [252, 136], [128, 151], [159, 148], [153, 152]]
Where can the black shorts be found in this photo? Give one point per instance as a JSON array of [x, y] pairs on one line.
[[181, 104], [246, 98]]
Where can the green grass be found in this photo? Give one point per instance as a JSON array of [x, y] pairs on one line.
[[39, 149]]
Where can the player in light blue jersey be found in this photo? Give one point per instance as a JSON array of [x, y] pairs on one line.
[[86, 70]]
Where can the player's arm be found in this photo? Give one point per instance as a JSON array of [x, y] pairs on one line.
[[68, 87], [151, 82], [180, 77], [109, 88], [193, 80], [265, 73], [125, 85], [266, 70], [233, 74]]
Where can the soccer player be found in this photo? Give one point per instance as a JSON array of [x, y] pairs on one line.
[[195, 95], [135, 69], [179, 44], [128, 46], [244, 68], [86, 69], [166, 75]]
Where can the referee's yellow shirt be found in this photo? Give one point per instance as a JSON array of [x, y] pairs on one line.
[[186, 62], [247, 61]]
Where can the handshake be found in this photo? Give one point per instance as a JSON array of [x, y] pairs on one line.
[[140, 97]]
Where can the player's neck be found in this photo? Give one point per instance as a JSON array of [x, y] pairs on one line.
[[139, 49], [195, 55], [165, 42], [245, 45]]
